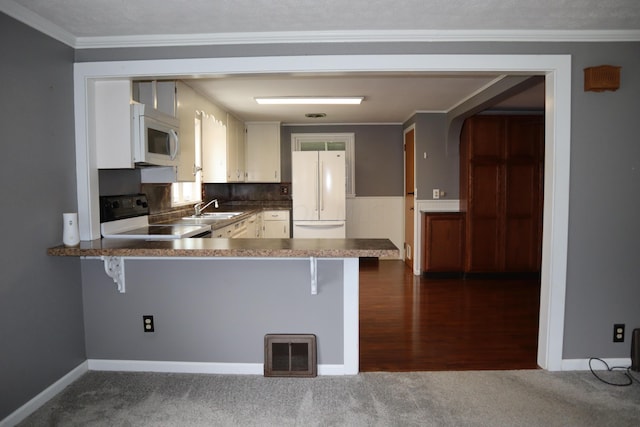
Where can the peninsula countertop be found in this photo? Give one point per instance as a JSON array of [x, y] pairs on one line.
[[239, 248]]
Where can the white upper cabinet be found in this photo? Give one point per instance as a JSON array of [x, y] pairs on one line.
[[109, 123], [161, 95], [263, 152], [186, 107], [235, 150], [214, 149], [222, 149]]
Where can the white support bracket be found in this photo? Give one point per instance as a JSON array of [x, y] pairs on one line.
[[114, 267], [314, 275]]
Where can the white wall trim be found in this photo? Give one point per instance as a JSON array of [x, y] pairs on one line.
[[178, 367], [438, 205], [556, 68], [44, 396], [583, 364], [358, 36], [351, 316]]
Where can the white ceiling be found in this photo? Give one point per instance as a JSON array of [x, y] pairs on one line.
[[388, 98], [103, 18]]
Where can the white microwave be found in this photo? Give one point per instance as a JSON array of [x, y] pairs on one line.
[[154, 137]]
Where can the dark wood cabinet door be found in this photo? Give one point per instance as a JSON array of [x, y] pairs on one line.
[[484, 216], [443, 242], [521, 222], [501, 192]]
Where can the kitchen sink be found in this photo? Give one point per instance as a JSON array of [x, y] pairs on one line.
[[214, 215]]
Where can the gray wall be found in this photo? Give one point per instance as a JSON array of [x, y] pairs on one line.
[[379, 158], [602, 260], [41, 332], [40, 319], [214, 311], [437, 164]]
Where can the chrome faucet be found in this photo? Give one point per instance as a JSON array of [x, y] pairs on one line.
[[199, 208]]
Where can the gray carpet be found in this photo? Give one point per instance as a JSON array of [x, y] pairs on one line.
[[481, 398]]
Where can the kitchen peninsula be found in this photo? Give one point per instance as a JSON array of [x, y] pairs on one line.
[[214, 300]]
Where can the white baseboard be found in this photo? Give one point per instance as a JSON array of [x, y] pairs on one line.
[[175, 367], [43, 397], [193, 367], [583, 364]]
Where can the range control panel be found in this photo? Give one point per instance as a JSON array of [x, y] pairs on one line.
[[124, 206]]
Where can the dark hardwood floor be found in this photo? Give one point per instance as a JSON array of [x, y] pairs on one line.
[[409, 323]]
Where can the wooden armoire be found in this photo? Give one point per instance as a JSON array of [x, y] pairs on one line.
[[501, 192]]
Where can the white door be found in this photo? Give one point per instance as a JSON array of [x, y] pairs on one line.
[[304, 185], [332, 191]]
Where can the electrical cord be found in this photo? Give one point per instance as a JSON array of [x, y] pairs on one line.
[[630, 378]]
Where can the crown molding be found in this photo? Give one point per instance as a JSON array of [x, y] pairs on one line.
[[34, 20], [369, 36]]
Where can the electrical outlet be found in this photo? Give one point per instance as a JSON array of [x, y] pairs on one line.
[[148, 323], [284, 190], [436, 193], [618, 332]]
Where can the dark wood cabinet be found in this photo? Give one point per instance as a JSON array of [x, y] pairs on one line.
[[501, 192], [443, 242]]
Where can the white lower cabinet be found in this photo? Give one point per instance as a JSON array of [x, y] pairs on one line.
[[275, 224], [232, 231], [224, 232], [253, 227]]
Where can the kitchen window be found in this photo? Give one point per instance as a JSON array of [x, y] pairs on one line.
[[330, 142]]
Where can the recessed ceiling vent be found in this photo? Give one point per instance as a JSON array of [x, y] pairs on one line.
[[290, 355]]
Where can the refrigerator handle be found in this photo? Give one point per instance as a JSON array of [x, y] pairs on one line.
[[315, 187], [321, 189]]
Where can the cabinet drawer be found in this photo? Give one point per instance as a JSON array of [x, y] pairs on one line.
[[275, 215]]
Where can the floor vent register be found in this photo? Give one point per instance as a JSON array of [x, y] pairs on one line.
[[290, 355]]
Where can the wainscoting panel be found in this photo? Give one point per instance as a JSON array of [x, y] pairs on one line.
[[376, 217]]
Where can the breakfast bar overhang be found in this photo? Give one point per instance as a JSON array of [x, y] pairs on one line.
[[214, 300]]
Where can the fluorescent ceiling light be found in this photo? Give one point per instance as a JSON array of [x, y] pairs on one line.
[[305, 100]]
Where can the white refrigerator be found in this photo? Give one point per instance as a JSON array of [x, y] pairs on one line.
[[318, 189]]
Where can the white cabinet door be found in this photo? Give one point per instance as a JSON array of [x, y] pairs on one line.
[[187, 115], [235, 150], [276, 229], [109, 119], [263, 152], [224, 232], [275, 224], [252, 227], [214, 150]]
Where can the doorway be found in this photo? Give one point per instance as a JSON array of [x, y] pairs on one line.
[[409, 196], [556, 69]]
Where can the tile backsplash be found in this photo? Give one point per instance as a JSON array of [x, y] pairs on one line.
[[249, 192], [114, 182]]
